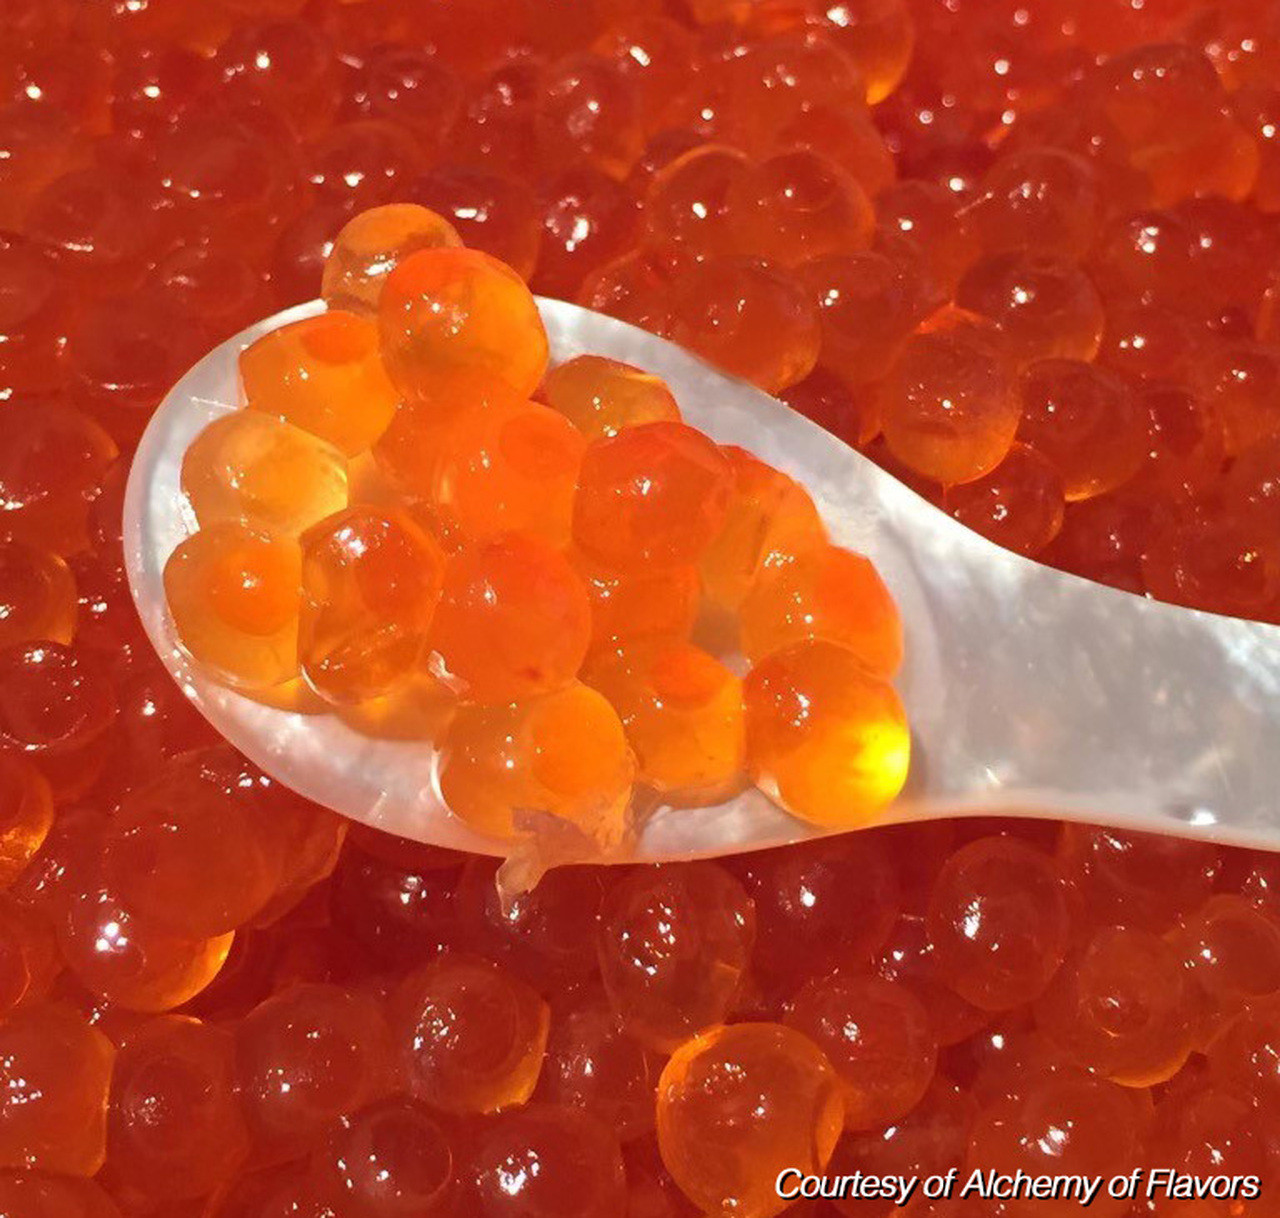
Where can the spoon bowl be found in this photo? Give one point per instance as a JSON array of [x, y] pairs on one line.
[[1030, 691]]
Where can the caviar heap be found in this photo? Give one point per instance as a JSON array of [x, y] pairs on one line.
[[1023, 254], [410, 497]]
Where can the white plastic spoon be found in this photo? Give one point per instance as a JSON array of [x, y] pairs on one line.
[[1030, 692]]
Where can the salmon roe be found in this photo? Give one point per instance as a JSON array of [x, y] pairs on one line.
[[1023, 255], [468, 580]]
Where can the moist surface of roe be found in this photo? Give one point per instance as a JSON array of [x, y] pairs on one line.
[[1022, 255]]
